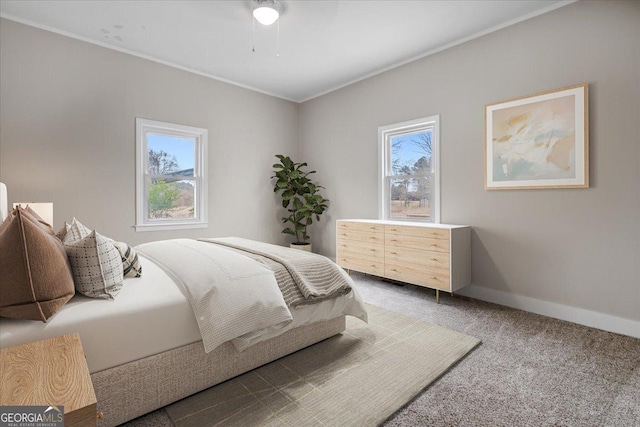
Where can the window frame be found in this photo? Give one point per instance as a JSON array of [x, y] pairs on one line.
[[385, 134], [201, 137]]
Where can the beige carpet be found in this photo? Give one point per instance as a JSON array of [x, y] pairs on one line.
[[358, 378]]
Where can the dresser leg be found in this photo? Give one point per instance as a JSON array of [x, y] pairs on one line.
[[437, 296]]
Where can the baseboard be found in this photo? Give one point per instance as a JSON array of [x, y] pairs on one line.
[[581, 316]]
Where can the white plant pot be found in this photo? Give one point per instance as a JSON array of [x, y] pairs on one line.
[[301, 246]]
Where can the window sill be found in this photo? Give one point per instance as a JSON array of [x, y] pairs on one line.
[[171, 226]]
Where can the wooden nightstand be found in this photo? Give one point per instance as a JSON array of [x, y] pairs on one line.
[[49, 372]]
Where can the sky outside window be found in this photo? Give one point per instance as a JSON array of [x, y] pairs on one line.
[[182, 148], [406, 151]]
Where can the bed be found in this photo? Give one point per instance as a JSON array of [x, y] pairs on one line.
[[145, 349]]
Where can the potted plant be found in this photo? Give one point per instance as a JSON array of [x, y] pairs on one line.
[[300, 197]]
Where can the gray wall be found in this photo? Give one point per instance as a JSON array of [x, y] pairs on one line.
[[67, 135], [67, 125], [578, 248]]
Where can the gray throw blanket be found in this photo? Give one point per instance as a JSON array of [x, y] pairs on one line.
[[303, 277]]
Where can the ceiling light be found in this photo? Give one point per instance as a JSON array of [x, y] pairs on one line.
[[265, 12]]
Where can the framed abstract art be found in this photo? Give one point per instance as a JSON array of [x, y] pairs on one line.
[[538, 141]]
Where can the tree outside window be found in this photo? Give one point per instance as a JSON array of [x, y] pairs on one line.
[[409, 169]]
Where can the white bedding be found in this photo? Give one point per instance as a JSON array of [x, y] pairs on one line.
[[149, 316], [231, 294]]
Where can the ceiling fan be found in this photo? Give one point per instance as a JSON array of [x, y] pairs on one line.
[[267, 12]]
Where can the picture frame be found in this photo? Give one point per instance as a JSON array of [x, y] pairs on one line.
[[538, 141]]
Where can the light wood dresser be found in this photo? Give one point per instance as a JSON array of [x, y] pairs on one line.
[[50, 372], [436, 256]]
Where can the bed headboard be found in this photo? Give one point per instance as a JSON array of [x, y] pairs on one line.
[[4, 203]]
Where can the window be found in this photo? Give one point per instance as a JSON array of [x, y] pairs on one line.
[[171, 176], [409, 186]]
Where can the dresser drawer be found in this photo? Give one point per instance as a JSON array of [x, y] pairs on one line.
[[418, 257], [372, 250], [366, 264], [422, 269], [360, 236], [360, 226], [404, 230], [436, 279], [416, 242]]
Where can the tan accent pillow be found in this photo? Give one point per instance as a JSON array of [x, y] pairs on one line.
[[35, 277], [48, 227]]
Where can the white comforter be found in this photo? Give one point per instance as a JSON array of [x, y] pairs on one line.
[[231, 295]]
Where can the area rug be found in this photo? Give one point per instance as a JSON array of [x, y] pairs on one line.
[[357, 378]]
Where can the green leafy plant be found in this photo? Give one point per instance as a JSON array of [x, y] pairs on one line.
[[300, 197], [162, 197]]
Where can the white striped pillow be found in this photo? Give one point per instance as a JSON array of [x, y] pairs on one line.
[[130, 263], [75, 231]]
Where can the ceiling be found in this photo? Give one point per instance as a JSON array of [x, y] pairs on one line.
[[323, 45]]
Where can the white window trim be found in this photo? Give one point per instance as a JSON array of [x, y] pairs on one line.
[[384, 160], [201, 137]]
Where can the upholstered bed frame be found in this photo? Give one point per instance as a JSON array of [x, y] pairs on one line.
[[133, 389], [136, 388]]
